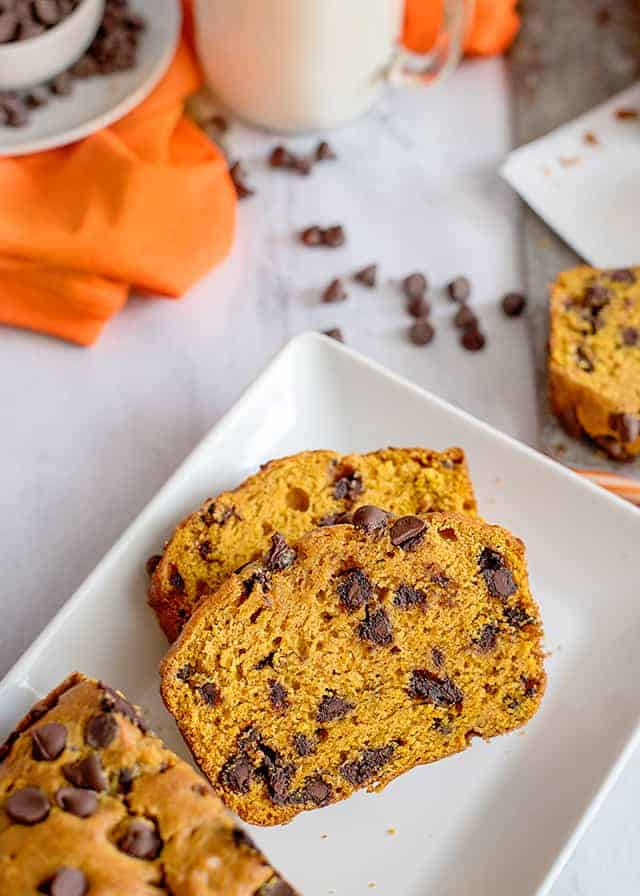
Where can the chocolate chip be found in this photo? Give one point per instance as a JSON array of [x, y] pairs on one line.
[[414, 285], [15, 111], [324, 152], [27, 806], [86, 773], [459, 289], [513, 304], [62, 84], [303, 165], [101, 730], [347, 485], [367, 276], [407, 532], [424, 685], [65, 882], [336, 519], [141, 841], [209, 693], [48, 741], [472, 339], [258, 577], [204, 549], [629, 336], [238, 175], [623, 275], [47, 11], [418, 307], [312, 236], [304, 745], [277, 775], [354, 589], [175, 580], [8, 26], [465, 318], [280, 555], [125, 780], [315, 790], [376, 628], [626, 426], [280, 157], [218, 514], [517, 617], [370, 519], [486, 640], [334, 333], [112, 701], [597, 296], [241, 838], [365, 769], [334, 236], [237, 774], [36, 98], [496, 573], [77, 801], [335, 292], [276, 887], [278, 695], [437, 656], [85, 67], [332, 707], [185, 672], [531, 686], [152, 563], [421, 332], [406, 596]]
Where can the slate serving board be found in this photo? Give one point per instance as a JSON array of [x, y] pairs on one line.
[[570, 56]]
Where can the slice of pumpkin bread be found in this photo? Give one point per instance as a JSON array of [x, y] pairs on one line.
[[352, 655], [292, 495]]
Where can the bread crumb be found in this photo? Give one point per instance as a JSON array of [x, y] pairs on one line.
[[591, 139], [626, 113], [391, 832], [323, 836], [567, 161], [371, 884]]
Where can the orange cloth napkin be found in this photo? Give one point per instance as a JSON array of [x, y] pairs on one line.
[[147, 202], [495, 25]]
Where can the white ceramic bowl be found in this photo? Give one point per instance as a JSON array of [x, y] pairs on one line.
[[24, 63]]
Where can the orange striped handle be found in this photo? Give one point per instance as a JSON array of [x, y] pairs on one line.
[[623, 486]]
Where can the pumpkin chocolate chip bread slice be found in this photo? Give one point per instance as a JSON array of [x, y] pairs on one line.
[[292, 495], [594, 357], [92, 804], [352, 655]]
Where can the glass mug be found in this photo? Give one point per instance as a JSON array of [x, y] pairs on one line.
[[296, 65]]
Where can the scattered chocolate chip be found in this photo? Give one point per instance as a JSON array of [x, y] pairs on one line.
[[626, 426], [332, 707], [448, 533], [237, 774], [414, 285], [238, 175], [277, 775], [36, 98], [486, 640], [354, 589], [365, 769], [86, 773], [125, 780], [204, 549], [218, 514], [513, 304], [280, 157], [370, 519], [335, 292], [303, 165], [459, 289], [437, 656], [185, 672], [472, 339], [280, 555], [418, 306], [101, 730], [152, 563], [585, 359], [141, 841], [627, 113], [421, 332], [304, 745], [424, 685], [27, 806], [265, 661], [278, 696], [336, 519], [209, 693], [65, 882], [347, 485], [376, 628], [258, 577], [334, 333], [531, 686], [77, 801], [276, 887], [623, 275], [315, 790], [597, 296], [48, 741], [465, 318], [516, 616], [312, 236], [629, 336], [175, 580], [496, 573], [334, 236], [62, 84], [367, 276], [324, 152], [113, 701], [407, 532], [406, 596]]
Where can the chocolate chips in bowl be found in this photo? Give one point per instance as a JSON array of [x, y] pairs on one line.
[[110, 33]]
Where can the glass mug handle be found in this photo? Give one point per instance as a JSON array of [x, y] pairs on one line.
[[409, 69]]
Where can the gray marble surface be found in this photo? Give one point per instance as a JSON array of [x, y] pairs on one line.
[[88, 436]]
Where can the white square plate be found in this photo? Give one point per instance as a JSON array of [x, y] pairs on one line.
[[502, 817]]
